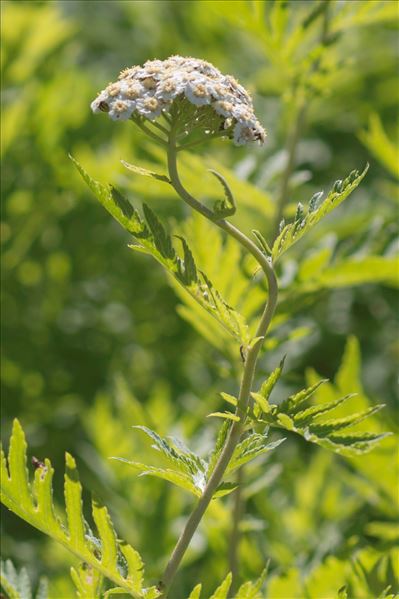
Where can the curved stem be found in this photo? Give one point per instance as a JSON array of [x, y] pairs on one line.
[[237, 427]]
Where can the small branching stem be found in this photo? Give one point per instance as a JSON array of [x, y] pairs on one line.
[[237, 427]]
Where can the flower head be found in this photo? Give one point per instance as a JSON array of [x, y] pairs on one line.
[[188, 89]]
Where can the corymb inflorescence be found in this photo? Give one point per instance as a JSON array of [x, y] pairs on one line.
[[187, 91]]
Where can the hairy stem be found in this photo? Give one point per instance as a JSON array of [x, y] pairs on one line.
[[237, 427]]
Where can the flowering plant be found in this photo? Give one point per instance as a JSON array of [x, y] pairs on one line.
[[179, 103], [189, 92]]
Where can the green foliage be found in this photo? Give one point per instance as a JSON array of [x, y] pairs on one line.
[[248, 590], [191, 472], [318, 209], [297, 414], [34, 504], [17, 584], [77, 314], [226, 206], [379, 144], [154, 240]]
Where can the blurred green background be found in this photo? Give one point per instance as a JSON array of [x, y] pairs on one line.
[[95, 338]]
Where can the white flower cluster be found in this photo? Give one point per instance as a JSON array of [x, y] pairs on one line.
[[151, 89]]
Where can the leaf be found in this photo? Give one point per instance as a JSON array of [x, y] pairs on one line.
[[152, 239], [326, 433], [292, 403], [252, 590], [17, 585], [226, 206], [262, 242], [291, 233], [269, 384], [227, 415], [87, 581], [251, 447], [220, 442], [229, 398], [223, 589], [139, 170], [189, 270], [306, 416], [37, 509], [334, 425], [162, 240], [261, 401], [179, 479], [196, 592], [179, 455]]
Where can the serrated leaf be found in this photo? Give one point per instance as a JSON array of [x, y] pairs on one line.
[[262, 242], [179, 479], [154, 240], [38, 510], [180, 456], [261, 402], [87, 581], [189, 270], [109, 548], [17, 585], [139, 170], [196, 592], [17, 465], [135, 566], [252, 590], [224, 489], [269, 384], [306, 416], [162, 240], [220, 441], [113, 202], [73, 504], [114, 591], [226, 206], [285, 421], [292, 403], [321, 429], [229, 398], [227, 415], [250, 448], [291, 233], [223, 590]]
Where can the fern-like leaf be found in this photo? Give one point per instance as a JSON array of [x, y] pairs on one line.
[[191, 472], [152, 238], [17, 584], [87, 581], [292, 232], [35, 506], [294, 414], [139, 170], [226, 206]]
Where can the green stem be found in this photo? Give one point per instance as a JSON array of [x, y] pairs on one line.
[[237, 427]]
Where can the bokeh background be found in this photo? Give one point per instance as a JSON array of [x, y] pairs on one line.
[[96, 338]]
